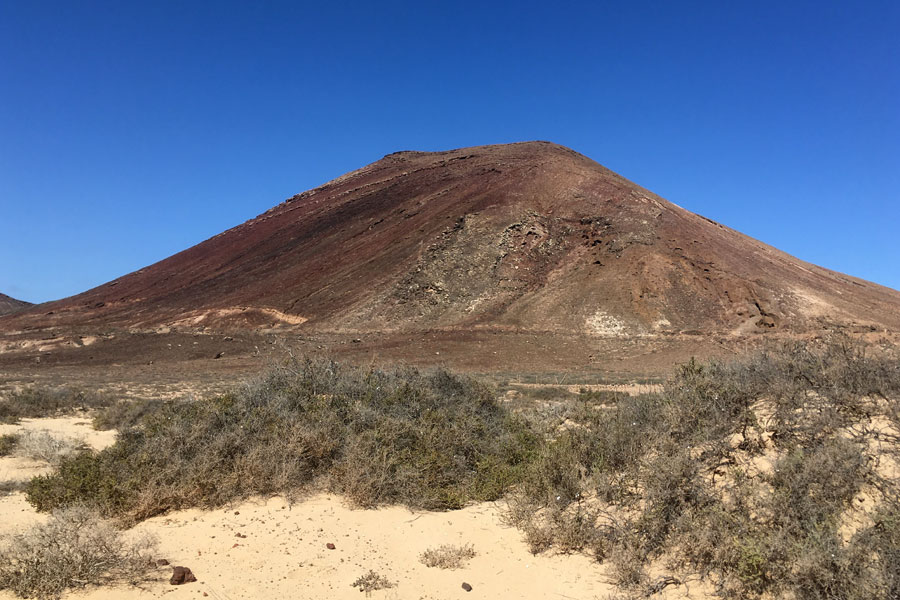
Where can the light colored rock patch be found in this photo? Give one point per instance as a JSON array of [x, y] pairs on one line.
[[202, 317], [605, 325], [813, 306]]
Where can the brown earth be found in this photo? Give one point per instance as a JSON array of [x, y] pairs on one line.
[[10, 305], [510, 258]]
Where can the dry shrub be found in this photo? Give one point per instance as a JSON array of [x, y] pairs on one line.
[[37, 401], [43, 445], [8, 443], [11, 486], [428, 440], [124, 414], [665, 476], [73, 549], [447, 556], [542, 392], [371, 582]]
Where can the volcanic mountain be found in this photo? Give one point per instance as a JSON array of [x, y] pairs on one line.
[[508, 239], [10, 305]]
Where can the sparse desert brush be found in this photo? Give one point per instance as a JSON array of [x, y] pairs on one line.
[[447, 556], [39, 444], [124, 413], [371, 582], [543, 392], [429, 440], [74, 548], [40, 401], [8, 443], [8, 486], [748, 471]]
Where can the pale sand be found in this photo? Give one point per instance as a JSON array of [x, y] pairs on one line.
[[284, 553], [14, 468], [15, 513]]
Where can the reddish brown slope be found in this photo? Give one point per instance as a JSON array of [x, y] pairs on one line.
[[529, 236], [10, 305]]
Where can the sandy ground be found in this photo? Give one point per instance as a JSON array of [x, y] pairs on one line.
[[15, 513], [79, 429], [271, 549]]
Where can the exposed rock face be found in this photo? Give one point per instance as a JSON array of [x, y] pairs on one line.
[[520, 237]]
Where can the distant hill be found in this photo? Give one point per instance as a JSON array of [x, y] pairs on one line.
[[10, 305], [494, 240]]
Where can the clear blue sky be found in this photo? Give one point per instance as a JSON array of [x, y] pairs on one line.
[[130, 131]]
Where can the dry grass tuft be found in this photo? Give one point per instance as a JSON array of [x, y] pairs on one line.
[[447, 556], [371, 582]]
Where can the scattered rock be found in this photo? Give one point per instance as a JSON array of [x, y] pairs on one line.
[[330, 546], [766, 321], [466, 587], [181, 575], [220, 355], [240, 535], [162, 562]]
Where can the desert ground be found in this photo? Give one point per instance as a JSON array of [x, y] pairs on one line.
[[272, 548]]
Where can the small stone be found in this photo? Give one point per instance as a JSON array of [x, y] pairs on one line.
[[220, 355], [181, 575], [237, 512], [330, 546], [162, 562], [466, 587]]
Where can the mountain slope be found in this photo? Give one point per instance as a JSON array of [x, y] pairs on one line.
[[520, 237], [10, 305]]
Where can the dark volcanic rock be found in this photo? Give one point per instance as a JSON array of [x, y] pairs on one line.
[[181, 575]]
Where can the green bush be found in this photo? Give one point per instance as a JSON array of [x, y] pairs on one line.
[[428, 440], [8, 442], [124, 414]]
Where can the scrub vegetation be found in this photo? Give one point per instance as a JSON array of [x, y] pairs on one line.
[[775, 475], [427, 440]]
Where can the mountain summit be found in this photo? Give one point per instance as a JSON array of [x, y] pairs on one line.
[[526, 237]]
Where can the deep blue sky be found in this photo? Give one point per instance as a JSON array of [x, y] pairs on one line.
[[130, 131]]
